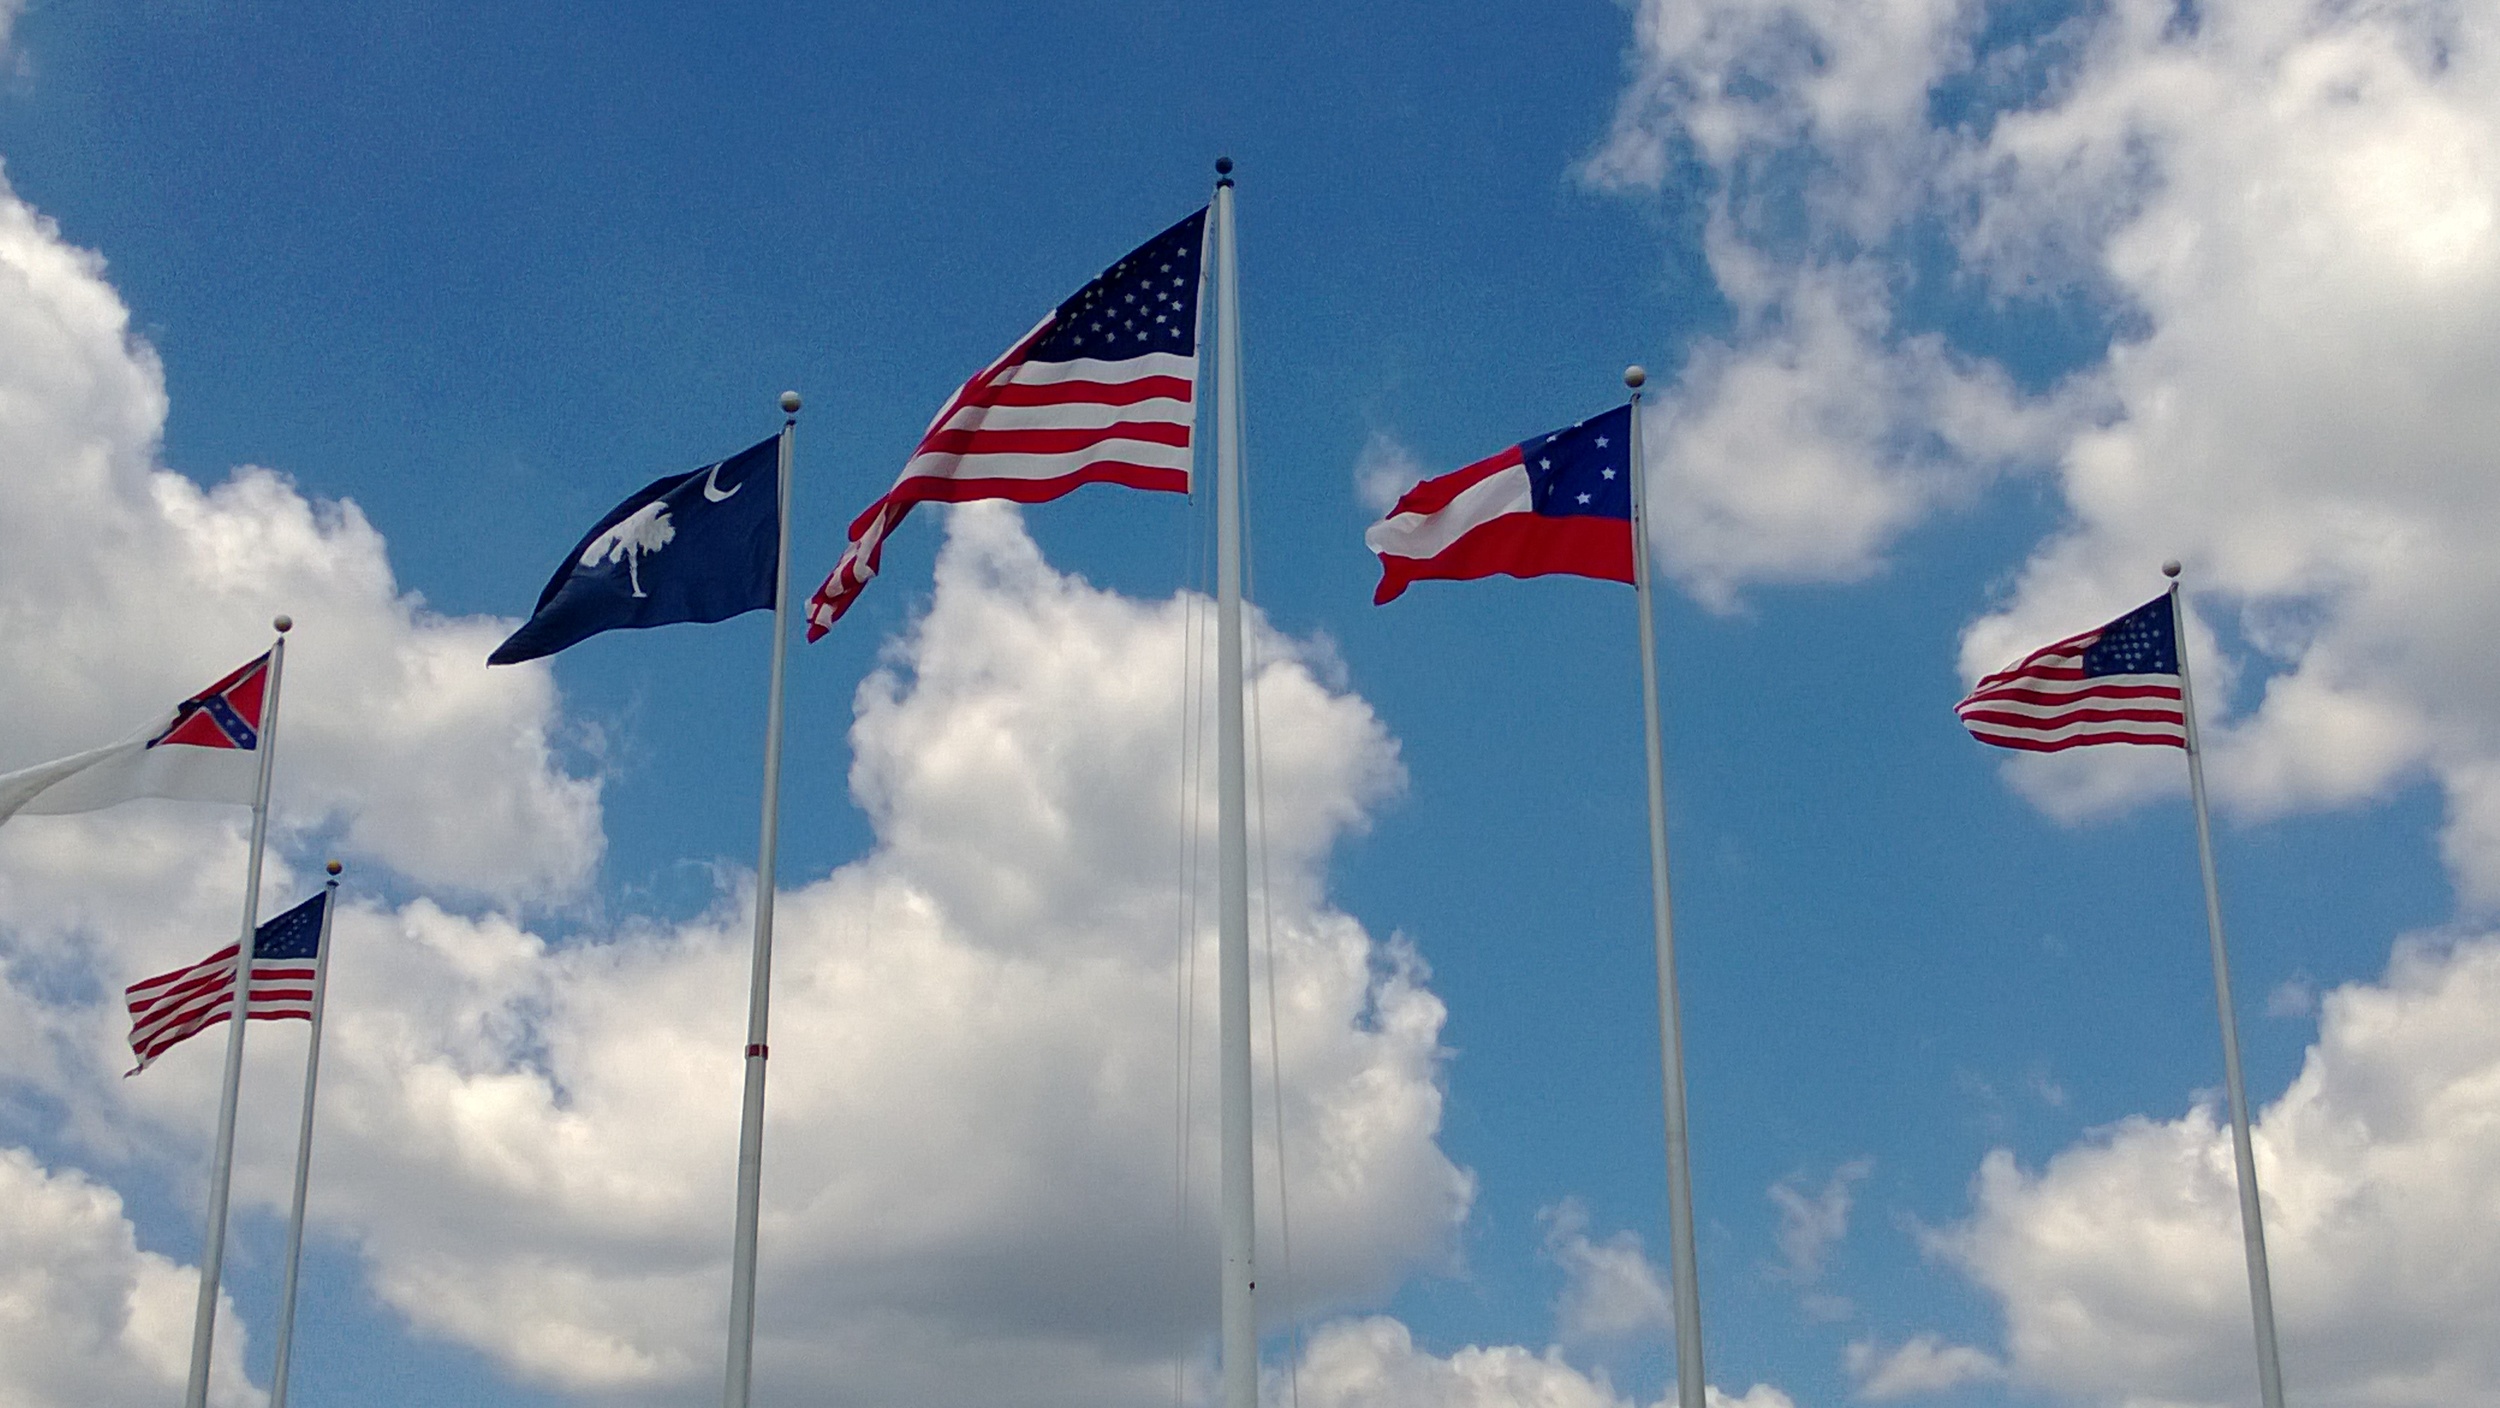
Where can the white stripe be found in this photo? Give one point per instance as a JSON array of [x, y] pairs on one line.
[[1089, 369], [2064, 708], [2073, 687], [1076, 415], [1424, 535], [1983, 728], [950, 465]]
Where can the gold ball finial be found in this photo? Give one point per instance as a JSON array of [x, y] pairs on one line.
[[334, 867], [2170, 569], [284, 624]]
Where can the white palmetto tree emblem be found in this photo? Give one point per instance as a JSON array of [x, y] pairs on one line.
[[648, 530]]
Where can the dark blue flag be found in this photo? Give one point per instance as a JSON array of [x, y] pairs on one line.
[[691, 547]]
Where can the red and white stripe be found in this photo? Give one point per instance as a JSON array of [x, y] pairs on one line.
[[166, 1009], [1482, 520], [2044, 703], [1030, 432]]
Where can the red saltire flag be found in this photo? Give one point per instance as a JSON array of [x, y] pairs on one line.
[[1102, 391], [206, 750]]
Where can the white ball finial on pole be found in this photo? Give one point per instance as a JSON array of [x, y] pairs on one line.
[[1635, 377], [790, 402], [2170, 569], [284, 624]]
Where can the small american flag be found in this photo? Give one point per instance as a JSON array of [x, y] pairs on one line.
[[2116, 684], [171, 1006], [1101, 392]]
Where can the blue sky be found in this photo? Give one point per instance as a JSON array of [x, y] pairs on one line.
[[1962, 318]]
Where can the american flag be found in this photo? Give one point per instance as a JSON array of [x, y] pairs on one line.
[[1101, 392], [2115, 684], [171, 1006]]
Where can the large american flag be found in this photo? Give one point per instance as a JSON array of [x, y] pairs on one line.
[[2115, 684], [171, 1006], [1101, 392]]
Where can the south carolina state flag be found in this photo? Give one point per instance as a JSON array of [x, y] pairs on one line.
[[1561, 503], [206, 750]]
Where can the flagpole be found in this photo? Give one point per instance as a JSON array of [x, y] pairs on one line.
[[303, 1144], [1240, 1362], [2243, 1149], [221, 1168], [760, 979], [1689, 1381]]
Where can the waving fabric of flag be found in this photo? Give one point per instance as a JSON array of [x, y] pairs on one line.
[[171, 1006], [701, 546], [1100, 392], [206, 750], [1561, 503], [2117, 683]]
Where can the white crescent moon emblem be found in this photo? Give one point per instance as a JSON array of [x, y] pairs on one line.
[[712, 489]]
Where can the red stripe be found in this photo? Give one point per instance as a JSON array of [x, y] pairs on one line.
[[2011, 695], [2049, 723], [1039, 440], [1519, 545], [1080, 393], [1035, 491], [1437, 493], [2060, 745]]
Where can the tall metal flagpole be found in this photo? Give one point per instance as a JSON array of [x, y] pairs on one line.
[[221, 1168], [1240, 1309], [303, 1144], [760, 980], [2243, 1151], [1689, 1381]]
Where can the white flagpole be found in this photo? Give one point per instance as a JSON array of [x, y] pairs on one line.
[[2243, 1150], [1240, 1363], [303, 1144], [1689, 1381], [760, 979], [221, 1168]]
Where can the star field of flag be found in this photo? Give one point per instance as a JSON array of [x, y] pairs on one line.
[[1584, 471], [2142, 642], [294, 934], [1147, 302]]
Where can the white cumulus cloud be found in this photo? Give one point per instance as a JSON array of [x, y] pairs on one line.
[[87, 1319], [2118, 1264]]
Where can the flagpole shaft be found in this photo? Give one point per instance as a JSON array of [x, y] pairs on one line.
[[1240, 1362], [760, 978], [303, 1151], [1689, 1380], [221, 1165], [2243, 1148]]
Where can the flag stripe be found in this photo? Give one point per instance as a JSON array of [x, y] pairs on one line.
[[1052, 441], [171, 1007]]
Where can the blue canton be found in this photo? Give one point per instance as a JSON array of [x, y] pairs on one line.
[[1147, 302], [2145, 641], [294, 934], [1585, 471]]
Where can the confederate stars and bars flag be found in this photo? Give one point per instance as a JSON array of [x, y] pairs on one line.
[[206, 750], [1560, 503], [1102, 391]]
